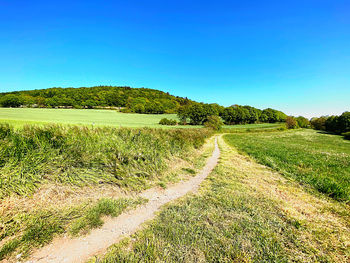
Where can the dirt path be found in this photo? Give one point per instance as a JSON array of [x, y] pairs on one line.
[[81, 249]]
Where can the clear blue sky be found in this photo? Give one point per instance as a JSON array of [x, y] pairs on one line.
[[290, 55]]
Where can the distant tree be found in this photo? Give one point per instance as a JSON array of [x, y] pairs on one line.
[[303, 122], [332, 124], [252, 115], [236, 114], [291, 122], [10, 100], [272, 116], [344, 122], [138, 108], [27, 100], [183, 114], [214, 122], [197, 113], [319, 123]]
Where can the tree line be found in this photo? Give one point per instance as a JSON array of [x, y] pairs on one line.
[[334, 124], [198, 114]]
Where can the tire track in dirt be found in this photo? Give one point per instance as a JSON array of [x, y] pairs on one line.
[[67, 250]]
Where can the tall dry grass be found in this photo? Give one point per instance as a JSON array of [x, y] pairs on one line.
[[75, 155]]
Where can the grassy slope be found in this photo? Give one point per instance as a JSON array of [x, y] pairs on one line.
[[242, 213], [313, 158]]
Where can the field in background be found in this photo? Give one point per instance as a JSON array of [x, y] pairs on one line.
[[311, 157], [18, 117]]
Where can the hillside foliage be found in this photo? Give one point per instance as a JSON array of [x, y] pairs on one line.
[[139, 100]]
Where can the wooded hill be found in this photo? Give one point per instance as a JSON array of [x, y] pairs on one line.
[[138, 100]]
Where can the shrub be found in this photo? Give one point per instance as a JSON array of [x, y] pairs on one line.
[[291, 122], [166, 121], [214, 122]]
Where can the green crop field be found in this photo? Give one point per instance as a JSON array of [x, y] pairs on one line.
[[20, 116], [311, 157]]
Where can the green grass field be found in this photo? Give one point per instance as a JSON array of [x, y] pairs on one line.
[[311, 157], [18, 117]]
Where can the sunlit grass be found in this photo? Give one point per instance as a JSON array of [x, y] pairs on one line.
[[313, 158], [21, 116], [232, 219], [18, 117]]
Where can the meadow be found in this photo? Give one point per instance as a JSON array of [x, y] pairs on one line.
[[313, 158], [21, 116]]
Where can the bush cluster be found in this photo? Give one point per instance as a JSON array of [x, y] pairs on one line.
[[299, 122], [291, 122], [214, 122], [166, 121]]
